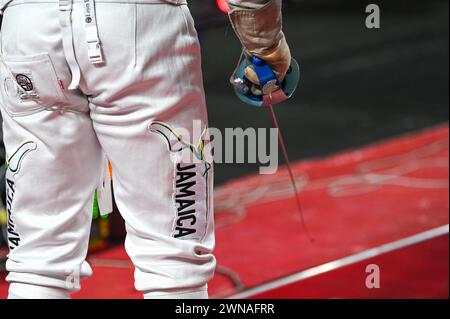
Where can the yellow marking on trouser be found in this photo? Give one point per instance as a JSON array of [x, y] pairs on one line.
[[3, 217]]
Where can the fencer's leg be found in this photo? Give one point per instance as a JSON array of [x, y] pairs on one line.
[[150, 92], [54, 158], [51, 177]]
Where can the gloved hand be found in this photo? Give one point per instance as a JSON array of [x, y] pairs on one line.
[[258, 25], [279, 59]]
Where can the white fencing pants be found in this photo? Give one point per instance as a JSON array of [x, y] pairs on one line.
[[132, 108]]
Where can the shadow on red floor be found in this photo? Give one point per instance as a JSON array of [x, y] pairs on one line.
[[353, 202]]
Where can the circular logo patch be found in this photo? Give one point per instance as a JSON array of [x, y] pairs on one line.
[[25, 82]]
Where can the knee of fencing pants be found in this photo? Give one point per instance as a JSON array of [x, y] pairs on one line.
[[166, 201], [169, 268], [54, 167], [171, 243], [25, 291], [201, 293]]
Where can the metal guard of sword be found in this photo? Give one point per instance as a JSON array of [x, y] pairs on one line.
[[268, 93]]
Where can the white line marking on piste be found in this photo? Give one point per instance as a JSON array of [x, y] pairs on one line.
[[339, 263]]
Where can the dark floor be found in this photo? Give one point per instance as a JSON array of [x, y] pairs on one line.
[[358, 85]]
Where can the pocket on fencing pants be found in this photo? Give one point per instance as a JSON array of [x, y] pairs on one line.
[[29, 84]]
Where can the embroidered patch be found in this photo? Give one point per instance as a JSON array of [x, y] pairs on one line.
[[15, 161], [191, 182], [25, 82], [191, 202], [14, 166]]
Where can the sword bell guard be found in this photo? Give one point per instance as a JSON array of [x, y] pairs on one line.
[[273, 92]]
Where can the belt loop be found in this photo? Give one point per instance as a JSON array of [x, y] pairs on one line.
[[65, 19], [92, 39]]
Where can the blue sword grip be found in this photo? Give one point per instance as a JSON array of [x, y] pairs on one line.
[[263, 71]]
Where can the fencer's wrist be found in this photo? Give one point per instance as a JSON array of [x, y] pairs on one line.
[[278, 58], [260, 29]]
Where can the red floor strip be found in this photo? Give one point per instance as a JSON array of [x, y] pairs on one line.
[[419, 271], [352, 201]]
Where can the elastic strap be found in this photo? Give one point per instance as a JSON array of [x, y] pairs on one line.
[[92, 39]]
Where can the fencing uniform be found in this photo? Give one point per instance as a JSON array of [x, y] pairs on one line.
[[80, 80]]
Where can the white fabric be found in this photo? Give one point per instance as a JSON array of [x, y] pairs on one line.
[[65, 21], [196, 294], [4, 3], [56, 139], [25, 291]]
